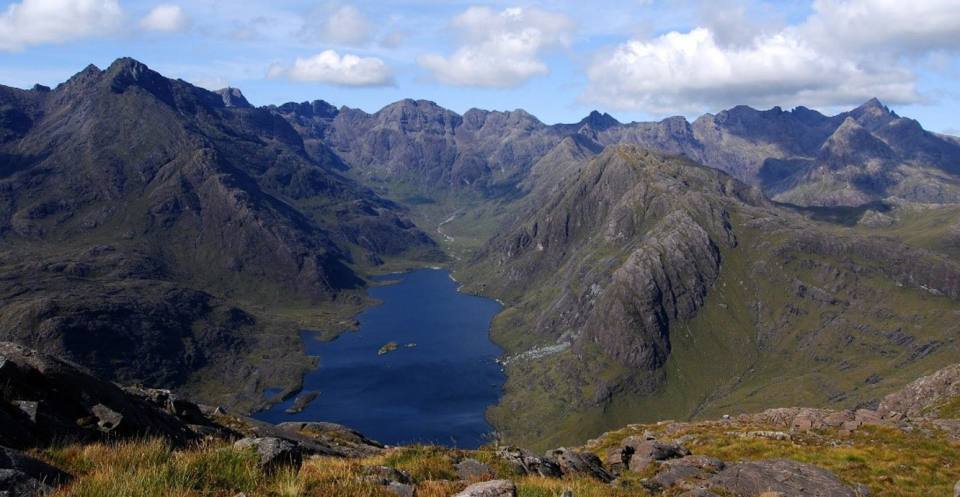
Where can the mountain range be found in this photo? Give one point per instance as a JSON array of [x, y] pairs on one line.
[[163, 234]]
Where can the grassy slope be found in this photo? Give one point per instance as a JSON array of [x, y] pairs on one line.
[[891, 462]]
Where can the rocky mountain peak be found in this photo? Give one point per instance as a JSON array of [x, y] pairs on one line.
[[126, 72], [599, 121], [233, 97], [873, 115]]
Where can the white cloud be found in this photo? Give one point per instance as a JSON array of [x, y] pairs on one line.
[[845, 52], [886, 24], [165, 17], [345, 25], [500, 49], [329, 67], [680, 72], [35, 22]]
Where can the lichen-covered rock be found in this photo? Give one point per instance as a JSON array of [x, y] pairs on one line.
[[645, 451], [493, 488], [922, 397], [580, 464], [275, 453], [472, 469], [789, 478], [687, 469], [524, 462], [392, 479]]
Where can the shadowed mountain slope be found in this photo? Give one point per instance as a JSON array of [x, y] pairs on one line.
[[147, 224]]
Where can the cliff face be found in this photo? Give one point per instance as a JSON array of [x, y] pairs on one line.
[[646, 285]]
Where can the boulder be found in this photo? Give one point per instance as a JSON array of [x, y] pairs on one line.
[[170, 403], [619, 457], [493, 488], [275, 453], [525, 463], [391, 479], [646, 451], [686, 469], [956, 490], [472, 469], [327, 439], [579, 463], [788, 478], [698, 492], [24, 476], [383, 475]]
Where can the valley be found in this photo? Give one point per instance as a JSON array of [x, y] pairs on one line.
[[674, 269]]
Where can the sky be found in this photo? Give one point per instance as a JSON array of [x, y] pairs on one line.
[[636, 59]]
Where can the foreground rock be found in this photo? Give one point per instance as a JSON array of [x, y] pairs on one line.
[[786, 478], [393, 480], [23, 476], [275, 453], [472, 470], [580, 464], [45, 399], [524, 462], [495, 488]]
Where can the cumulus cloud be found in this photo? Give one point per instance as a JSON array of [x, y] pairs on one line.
[[845, 52], [344, 25], [500, 49], [679, 72], [885, 24], [35, 22], [165, 17], [329, 67]]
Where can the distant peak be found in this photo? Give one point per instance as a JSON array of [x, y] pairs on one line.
[[233, 97], [873, 106], [599, 121], [127, 65], [873, 115]]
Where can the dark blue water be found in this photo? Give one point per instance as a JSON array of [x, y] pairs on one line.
[[436, 392]]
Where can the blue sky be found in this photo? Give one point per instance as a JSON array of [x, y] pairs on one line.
[[636, 59]]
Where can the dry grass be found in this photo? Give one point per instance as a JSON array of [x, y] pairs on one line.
[[893, 463]]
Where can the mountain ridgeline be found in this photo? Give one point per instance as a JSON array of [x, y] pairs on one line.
[[163, 234]]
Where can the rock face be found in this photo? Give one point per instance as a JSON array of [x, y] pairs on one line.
[[637, 252], [786, 478], [275, 453], [23, 476], [494, 488], [924, 396], [67, 403]]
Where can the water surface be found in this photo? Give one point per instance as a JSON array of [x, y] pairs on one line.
[[434, 392]]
